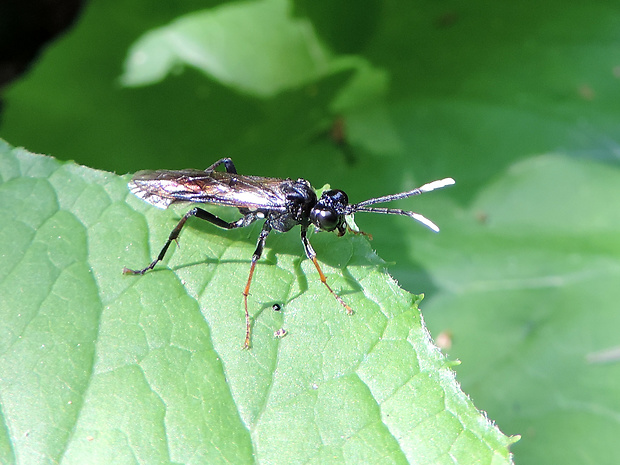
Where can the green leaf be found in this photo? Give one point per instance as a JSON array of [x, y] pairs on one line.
[[99, 367], [535, 271], [258, 48], [227, 42]]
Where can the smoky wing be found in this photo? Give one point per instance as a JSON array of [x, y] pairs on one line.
[[163, 187]]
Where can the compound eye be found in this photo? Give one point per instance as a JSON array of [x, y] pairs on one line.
[[327, 220]]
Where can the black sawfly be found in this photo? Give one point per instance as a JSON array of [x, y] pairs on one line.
[[282, 203]]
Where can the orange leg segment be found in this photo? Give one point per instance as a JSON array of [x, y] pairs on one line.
[[324, 281], [311, 254], [246, 292]]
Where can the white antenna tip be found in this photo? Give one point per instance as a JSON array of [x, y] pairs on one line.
[[424, 220], [431, 186]]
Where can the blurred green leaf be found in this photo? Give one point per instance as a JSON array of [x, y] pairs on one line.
[[228, 43], [100, 367], [258, 48], [534, 274]]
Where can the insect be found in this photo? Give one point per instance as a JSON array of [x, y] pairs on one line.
[[282, 203]]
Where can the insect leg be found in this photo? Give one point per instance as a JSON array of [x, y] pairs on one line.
[[311, 254], [203, 215], [228, 164], [257, 253]]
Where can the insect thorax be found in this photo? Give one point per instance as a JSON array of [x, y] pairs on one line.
[[300, 198]]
